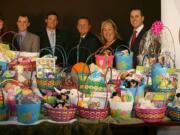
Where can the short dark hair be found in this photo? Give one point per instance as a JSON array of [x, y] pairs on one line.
[[138, 8], [24, 15], [84, 17], [52, 13]]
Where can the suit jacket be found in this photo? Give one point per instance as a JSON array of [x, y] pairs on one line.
[[87, 45], [45, 43], [30, 43], [135, 46]]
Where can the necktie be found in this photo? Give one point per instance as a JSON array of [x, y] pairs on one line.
[[133, 39], [20, 39], [78, 45]]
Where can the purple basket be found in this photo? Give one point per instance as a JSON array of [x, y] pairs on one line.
[[151, 115], [57, 114], [93, 114]]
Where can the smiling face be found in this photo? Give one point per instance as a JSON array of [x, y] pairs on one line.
[[83, 26], [51, 22], [108, 32], [22, 23], [136, 18]]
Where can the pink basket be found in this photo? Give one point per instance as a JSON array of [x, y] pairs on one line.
[[151, 115], [57, 114], [104, 61], [93, 114]]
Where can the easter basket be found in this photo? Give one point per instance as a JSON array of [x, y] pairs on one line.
[[103, 59], [173, 113], [123, 62], [153, 108], [151, 115], [42, 64], [101, 110], [27, 59], [58, 114], [28, 113], [122, 109]]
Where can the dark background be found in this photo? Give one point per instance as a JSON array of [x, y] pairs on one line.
[[70, 10]]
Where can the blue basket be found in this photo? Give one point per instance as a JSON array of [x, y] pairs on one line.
[[28, 113], [173, 113], [123, 62], [157, 71], [136, 91], [4, 113]]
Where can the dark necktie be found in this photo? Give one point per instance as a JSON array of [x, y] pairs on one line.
[[133, 39], [78, 49]]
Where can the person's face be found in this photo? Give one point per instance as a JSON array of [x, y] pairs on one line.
[[136, 18], [108, 32], [1, 24], [22, 23], [51, 22], [83, 26]]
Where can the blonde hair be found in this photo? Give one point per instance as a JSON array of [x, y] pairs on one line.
[[110, 21]]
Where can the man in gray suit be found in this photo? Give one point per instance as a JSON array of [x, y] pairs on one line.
[[25, 40]]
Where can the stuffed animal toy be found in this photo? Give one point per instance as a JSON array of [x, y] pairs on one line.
[[19, 75]]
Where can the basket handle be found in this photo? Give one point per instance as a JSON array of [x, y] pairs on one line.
[[123, 45], [61, 52], [77, 47], [13, 39], [66, 68]]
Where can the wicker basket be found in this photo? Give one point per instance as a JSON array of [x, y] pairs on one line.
[[57, 114], [151, 115], [173, 113], [93, 114], [48, 83]]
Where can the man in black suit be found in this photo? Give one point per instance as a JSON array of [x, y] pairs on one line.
[[51, 37], [137, 22], [85, 42]]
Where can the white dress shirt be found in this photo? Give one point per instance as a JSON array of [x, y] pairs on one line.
[[52, 39]]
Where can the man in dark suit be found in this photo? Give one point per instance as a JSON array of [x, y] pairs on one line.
[[85, 42], [137, 22], [25, 40], [52, 38]]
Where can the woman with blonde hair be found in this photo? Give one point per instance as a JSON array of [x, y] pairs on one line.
[[109, 34]]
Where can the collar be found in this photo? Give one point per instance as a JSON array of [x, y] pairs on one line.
[[50, 31], [83, 36], [139, 29], [23, 33]]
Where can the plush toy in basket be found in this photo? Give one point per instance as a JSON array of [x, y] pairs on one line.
[[121, 105], [61, 109], [152, 108]]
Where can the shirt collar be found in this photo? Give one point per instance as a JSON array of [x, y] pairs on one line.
[[23, 33], [138, 30], [50, 31]]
